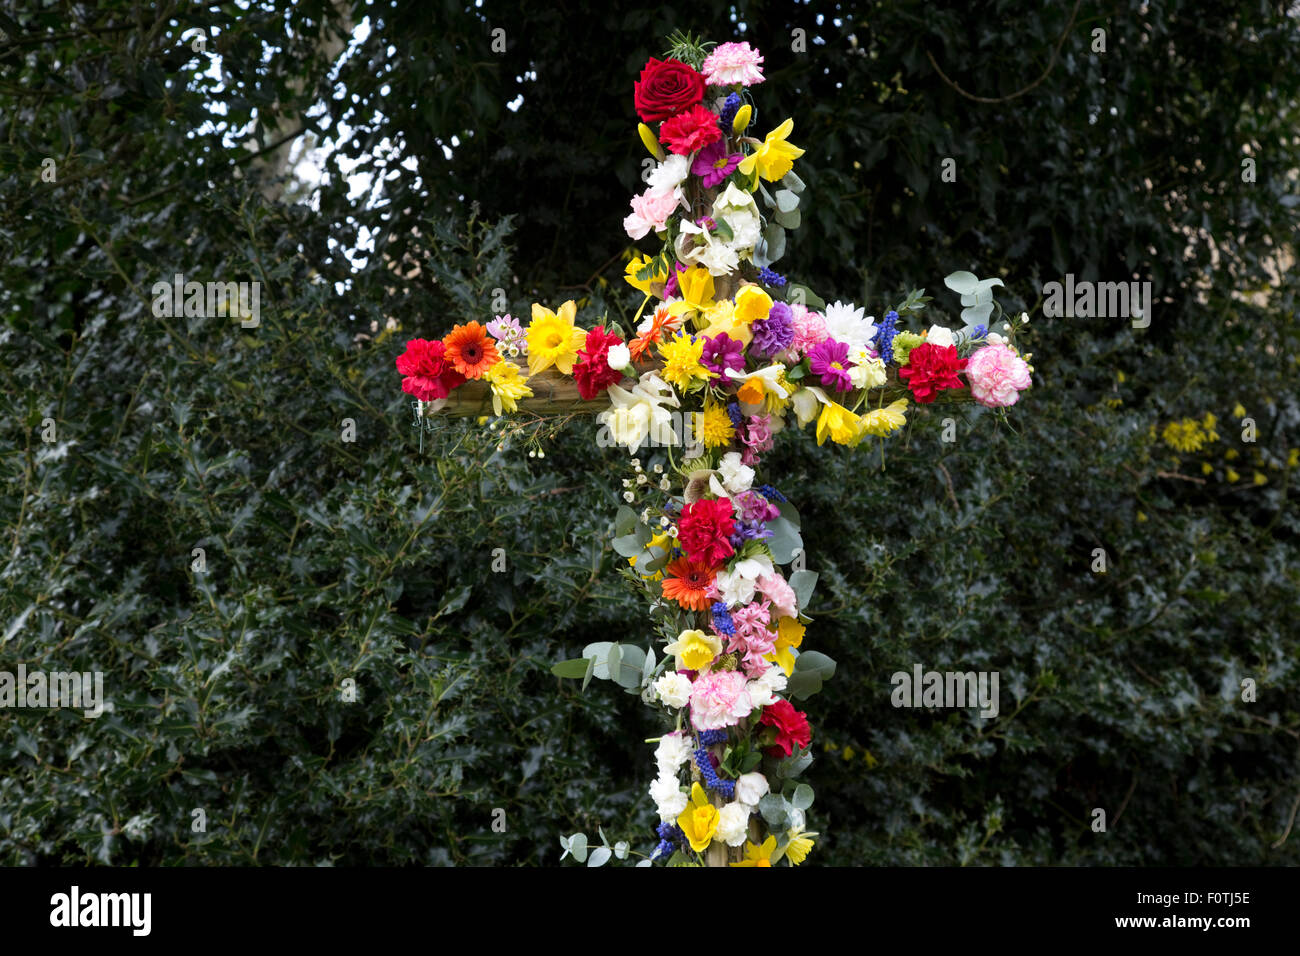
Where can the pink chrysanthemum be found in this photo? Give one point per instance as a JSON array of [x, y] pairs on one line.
[[733, 63]]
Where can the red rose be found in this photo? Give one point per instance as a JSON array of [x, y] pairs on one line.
[[592, 371], [791, 727], [705, 530], [427, 375], [930, 368], [689, 131], [666, 88]]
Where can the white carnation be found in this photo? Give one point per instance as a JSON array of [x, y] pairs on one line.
[[667, 794], [751, 788], [669, 174], [674, 749], [619, 357], [674, 690], [736, 477], [733, 823]]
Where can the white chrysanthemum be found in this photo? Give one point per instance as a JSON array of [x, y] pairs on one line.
[[733, 823], [846, 324], [674, 690], [669, 800], [751, 788]]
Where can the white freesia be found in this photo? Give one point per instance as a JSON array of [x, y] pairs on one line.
[[867, 372], [772, 680], [996, 339], [718, 257], [639, 414], [619, 357], [733, 823], [940, 336], [751, 788], [674, 690], [669, 800], [846, 324], [669, 174]]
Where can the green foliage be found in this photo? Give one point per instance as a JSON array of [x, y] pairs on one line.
[[328, 560]]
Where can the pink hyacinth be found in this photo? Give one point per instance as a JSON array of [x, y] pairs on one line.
[[719, 700], [997, 376], [733, 63]]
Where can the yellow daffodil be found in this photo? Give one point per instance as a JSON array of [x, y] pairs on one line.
[[1239, 410], [682, 365], [752, 304], [837, 423], [694, 650], [651, 141], [507, 386], [758, 855], [1260, 478], [699, 821], [695, 287], [799, 847], [884, 421], [789, 633], [721, 317], [660, 542], [742, 118], [644, 286], [553, 339], [774, 157], [1232, 474]]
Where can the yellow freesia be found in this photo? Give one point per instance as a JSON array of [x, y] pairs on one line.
[[699, 821], [553, 339], [507, 386], [774, 157]]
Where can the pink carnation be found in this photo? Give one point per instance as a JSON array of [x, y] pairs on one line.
[[775, 588], [997, 376], [719, 700], [733, 63], [651, 210], [809, 329]]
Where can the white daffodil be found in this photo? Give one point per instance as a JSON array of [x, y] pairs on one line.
[[807, 402], [765, 378], [867, 372], [638, 414]]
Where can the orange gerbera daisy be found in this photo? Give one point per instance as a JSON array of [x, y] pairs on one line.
[[470, 350], [660, 322], [688, 583]]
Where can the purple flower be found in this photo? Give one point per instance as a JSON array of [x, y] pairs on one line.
[[776, 332], [713, 163], [749, 531], [829, 361], [670, 287], [723, 352], [755, 508]]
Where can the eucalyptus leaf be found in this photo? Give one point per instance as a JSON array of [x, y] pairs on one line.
[[786, 200], [803, 583], [803, 796], [599, 856]]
